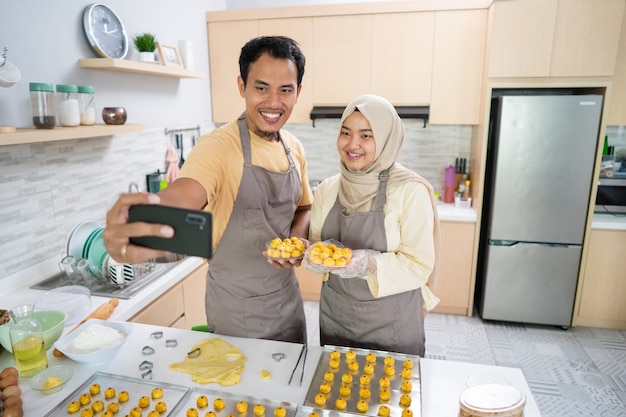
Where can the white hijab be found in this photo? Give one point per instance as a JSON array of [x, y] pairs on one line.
[[357, 189]]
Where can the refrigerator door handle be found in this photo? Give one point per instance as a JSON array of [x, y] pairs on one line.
[[511, 243]]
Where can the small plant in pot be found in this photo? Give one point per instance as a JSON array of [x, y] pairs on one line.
[[146, 44]]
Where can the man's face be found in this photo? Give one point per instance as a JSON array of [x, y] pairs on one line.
[[271, 92]]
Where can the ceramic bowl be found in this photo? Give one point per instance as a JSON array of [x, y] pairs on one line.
[[97, 355], [52, 323], [114, 115], [51, 380]]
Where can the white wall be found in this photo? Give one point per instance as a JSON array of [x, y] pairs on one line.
[[46, 39]]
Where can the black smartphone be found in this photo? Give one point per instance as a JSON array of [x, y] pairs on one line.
[[192, 229]]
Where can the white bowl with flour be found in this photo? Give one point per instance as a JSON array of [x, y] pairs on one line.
[[94, 341]]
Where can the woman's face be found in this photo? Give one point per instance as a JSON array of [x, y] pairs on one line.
[[355, 143]]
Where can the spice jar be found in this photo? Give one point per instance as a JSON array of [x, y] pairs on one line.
[[491, 400], [42, 104], [67, 105], [87, 106]]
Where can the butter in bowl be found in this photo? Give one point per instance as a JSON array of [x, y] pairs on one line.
[[51, 380]]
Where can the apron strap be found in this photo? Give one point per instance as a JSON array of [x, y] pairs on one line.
[[244, 137]]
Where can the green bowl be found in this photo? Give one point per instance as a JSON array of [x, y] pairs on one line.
[[52, 323]]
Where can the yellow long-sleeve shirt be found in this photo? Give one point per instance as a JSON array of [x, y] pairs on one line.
[[409, 222]]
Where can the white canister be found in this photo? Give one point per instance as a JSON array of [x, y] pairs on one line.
[[68, 109], [87, 106], [185, 48], [491, 400]]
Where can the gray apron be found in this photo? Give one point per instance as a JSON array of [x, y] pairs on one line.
[[245, 295], [349, 314]]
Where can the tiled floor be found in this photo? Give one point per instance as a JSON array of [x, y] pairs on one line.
[[579, 372]]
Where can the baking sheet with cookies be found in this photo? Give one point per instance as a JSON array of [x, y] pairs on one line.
[[205, 400], [403, 391], [136, 388]]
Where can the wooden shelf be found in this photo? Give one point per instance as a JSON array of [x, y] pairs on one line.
[[136, 67], [32, 135]]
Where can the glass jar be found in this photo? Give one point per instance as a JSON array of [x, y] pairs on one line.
[[42, 104], [27, 343], [87, 106], [67, 105]]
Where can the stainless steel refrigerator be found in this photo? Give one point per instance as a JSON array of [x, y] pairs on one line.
[[540, 162]]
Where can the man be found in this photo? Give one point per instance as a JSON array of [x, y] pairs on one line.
[[252, 176]]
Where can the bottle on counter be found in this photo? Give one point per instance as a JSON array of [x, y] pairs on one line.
[[27, 342], [450, 179], [87, 106], [42, 104], [466, 190], [67, 105]]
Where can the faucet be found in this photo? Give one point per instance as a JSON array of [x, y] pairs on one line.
[[133, 187]]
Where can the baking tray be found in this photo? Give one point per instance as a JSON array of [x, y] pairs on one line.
[[230, 402], [374, 401], [305, 411], [136, 388]]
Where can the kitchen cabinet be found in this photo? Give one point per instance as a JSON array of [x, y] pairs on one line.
[[457, 73], [454, 284], [603, 289], [348, 54], [617, 105], [310, 284], [566, 39], [136, 67], [225, 41], [182, 306], [32, 135]]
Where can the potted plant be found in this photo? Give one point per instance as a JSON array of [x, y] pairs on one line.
[[146, 44]]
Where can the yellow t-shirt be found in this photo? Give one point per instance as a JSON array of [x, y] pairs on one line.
[[216, 162]]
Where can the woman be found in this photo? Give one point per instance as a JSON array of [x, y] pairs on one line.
[[386, 214]]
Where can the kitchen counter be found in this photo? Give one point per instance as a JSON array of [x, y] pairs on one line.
[[450, 213], [604, 221], [442, 381], [126, 309]]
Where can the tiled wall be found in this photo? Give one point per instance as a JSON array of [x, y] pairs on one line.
[[48, 188]]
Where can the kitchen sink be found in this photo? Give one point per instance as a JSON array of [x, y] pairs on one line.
[[105, 288]]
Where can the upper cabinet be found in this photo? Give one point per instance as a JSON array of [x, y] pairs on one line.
[[458, 66], [617, 109], [566, 38], [437, 54]]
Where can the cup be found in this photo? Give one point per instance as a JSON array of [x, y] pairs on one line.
[[20, 312], [29, 351]]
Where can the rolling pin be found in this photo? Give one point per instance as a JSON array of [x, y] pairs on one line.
[[103, 312]]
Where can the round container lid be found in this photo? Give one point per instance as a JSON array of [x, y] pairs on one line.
[[40, 87], [75, 300], [492, 398], [67, 88], [85, 89]]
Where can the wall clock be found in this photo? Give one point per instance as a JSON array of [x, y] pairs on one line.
[[105, 31]]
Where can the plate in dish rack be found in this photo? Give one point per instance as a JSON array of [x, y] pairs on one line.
[[77, 238]]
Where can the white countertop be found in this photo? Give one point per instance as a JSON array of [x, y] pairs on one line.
[[441, 381], [126, 308], [602, 221], [450, 213]]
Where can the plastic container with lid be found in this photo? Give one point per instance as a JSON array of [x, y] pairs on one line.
[[42, 104], [67, 105], [75, 300], [492, 400], [87, 106]]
